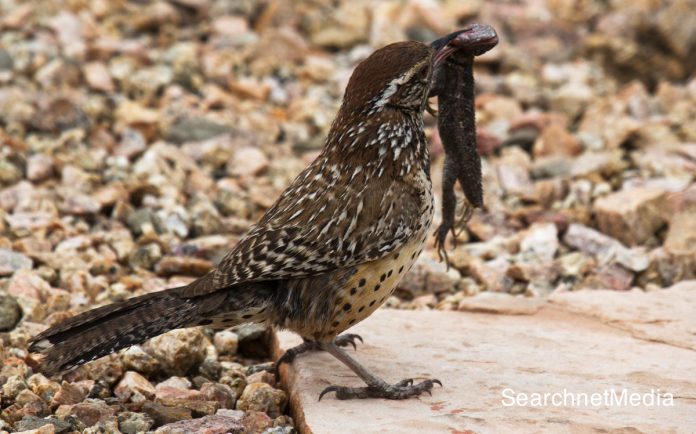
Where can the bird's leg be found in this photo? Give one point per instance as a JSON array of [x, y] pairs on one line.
[[376, 387], [309, 345], [290, 354]]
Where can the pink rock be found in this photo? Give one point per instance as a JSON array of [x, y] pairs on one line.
[[11, 261], [39, 167], [221, 393], [98, 77], [230, 25], [68, 394], [492, 274], [175, 382], [556, 140], [680, 247], [632, 216], [215, 424], [256, 421], [513, 173], [597, 165], [262, 397], [25, 283], [108, 195], [540, 240], [608, 249], [133, 385], [165, 393], [262, 377], [247, 161], [46, 429], [89, 412], [611, 276], [178, 350], [186, 265]]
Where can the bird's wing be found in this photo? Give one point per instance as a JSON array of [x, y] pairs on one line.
[[320, 224]]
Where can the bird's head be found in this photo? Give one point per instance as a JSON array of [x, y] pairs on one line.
[[388, 92], [398, 76], [395, 77]]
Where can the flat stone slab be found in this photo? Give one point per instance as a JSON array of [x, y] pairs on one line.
[[667, 316], [487, 360]]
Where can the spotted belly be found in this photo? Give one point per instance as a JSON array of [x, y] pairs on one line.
[[370, 287]]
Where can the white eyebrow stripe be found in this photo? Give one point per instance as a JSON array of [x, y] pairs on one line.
[[393, 85]]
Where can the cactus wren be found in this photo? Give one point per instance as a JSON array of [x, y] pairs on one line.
[[329, 251]]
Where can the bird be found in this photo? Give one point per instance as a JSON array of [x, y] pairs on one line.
[[325, 255]]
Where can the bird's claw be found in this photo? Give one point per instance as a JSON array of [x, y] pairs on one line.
[[401, 390], [348, 339]]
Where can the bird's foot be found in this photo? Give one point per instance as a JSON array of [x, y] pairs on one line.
[[401, 390], [290, 354]]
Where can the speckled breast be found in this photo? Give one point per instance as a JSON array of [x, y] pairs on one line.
[[375, 281]]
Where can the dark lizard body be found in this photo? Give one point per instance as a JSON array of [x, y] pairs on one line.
[[453, 84]]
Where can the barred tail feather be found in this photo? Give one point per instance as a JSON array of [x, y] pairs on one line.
[[107, 329]]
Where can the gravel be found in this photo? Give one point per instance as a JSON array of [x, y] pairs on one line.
[[139, 142]]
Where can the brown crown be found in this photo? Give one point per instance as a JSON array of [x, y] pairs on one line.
[[375, 73]]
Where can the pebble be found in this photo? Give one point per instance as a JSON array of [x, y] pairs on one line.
[[220, 393], [247, 161], [226, 342], [679, 260], [632, 215], [540, 241], [139, 144], [213, 424], [556, 140], [163, 415], [195, 130], [40, 167], [10, 312], [178, 350], [68, 394], [136, 359], [146, 256], [12, 261], [492, 274], [34, 423], [186, 265], [175, 382], [611, 276], [263, 376], [13, 386], [133, 423], [98, 77], [427, 276], [262, 397], [89, 413], [256, 421], [605, 248], [134, 387], [59, 115]]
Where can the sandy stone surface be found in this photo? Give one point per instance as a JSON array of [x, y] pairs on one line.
[[667, 316], [570, 343]]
